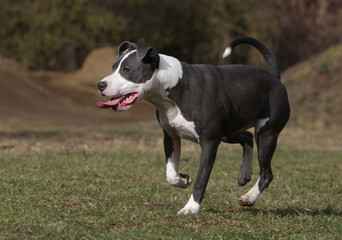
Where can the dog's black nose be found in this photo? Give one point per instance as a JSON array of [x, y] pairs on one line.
[[102, 85]]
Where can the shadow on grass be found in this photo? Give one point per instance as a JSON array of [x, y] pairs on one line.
[[295, 211], [283, 212]]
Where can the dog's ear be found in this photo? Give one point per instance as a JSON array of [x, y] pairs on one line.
[[126, 46], [148, 54]]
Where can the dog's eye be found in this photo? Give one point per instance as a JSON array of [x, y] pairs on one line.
[[126, 69]]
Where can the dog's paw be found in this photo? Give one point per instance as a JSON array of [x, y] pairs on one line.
[[186, 180], [180, 181], [192, 207], [251, 197], [244, 177], [245, 202], [187, 210]]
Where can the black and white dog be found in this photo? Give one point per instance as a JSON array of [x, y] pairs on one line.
[[205, 104]]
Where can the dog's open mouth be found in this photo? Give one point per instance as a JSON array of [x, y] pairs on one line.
[[121, 103]]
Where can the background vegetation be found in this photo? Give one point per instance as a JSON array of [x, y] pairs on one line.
[[57, 35]]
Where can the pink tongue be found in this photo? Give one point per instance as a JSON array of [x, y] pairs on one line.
[[110, 103]]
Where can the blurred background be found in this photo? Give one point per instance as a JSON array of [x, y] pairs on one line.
[[53, 53], [58, 35]]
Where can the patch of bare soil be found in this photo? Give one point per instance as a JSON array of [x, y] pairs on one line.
[[62, 98]]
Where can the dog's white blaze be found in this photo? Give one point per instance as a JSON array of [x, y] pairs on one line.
[[252, 195], [191, 207], [170, 71], [261, 123], [227, 52], [117, 85]]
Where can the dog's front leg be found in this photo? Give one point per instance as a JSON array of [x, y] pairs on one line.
[[208, 155], [172, 148]]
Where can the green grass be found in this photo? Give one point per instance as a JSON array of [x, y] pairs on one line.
[[124, 195]]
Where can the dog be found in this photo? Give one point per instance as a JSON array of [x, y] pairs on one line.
[[205, 104]]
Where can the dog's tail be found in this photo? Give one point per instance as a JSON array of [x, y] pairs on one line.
[[271, 61]]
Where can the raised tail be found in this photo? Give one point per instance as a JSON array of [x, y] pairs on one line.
[[271, 61]]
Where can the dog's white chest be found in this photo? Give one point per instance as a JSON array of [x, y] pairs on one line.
[[173, 122]]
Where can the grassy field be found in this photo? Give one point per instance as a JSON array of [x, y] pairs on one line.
[[62, 185]]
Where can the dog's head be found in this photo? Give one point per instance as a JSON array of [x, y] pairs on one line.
[[132, 74]]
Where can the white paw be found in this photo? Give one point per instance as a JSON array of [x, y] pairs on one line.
[[192, 207], [251, 197], [181, 180], [247, 201]]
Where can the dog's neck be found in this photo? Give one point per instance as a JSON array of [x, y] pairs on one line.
[[170, 71], [165, 78], [158, 98]]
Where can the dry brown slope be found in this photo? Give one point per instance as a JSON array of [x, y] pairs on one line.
[[62, 98], [315, 90]]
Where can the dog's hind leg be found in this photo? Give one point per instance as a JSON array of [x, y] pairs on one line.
[[172, 147], [266, 139], [245, 138]]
